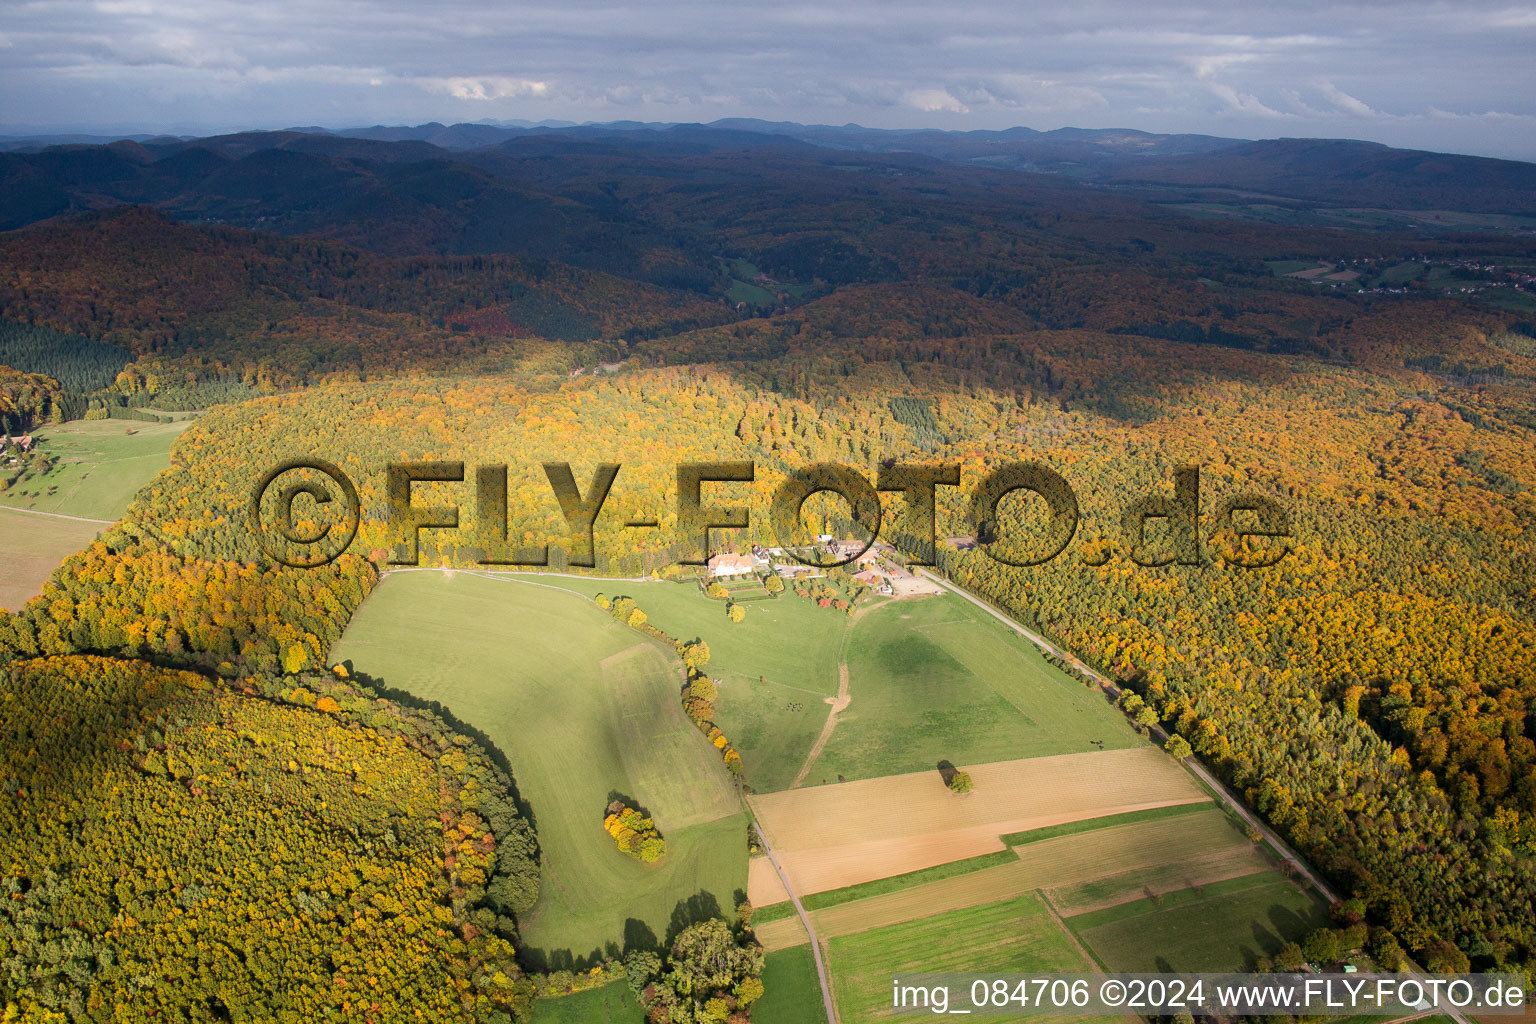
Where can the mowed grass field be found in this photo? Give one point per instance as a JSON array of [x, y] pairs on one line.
[[775, 668], [1223, 926], [937, 679], [31, 547], [787, 640], [791, 994], [98, 467], [1010, 936], [582, 707]]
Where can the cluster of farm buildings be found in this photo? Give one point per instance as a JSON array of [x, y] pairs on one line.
[[875, 566], [22, 443]]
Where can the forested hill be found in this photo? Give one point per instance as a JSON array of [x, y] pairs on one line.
[[482, 188], [292, 310]]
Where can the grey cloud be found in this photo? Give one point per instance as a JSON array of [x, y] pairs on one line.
[[1408, 72]]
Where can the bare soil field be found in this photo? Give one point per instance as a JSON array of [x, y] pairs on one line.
[[1045, 865], [914, 586], [1123, 855], [827, 837]]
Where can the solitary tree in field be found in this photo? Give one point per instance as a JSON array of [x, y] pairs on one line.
[[737, 613], [960, 782]]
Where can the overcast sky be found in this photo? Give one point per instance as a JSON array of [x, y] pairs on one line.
[[1457, 76]]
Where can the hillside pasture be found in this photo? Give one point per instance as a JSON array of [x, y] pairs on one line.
[[772, 725], [583, 708], [612, 1004], [775, 668], [786, 641], [936, 679], [828, 837], [98, 466], [930, 679]]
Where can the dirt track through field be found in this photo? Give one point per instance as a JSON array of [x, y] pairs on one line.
[[839, 703], [828, 837]]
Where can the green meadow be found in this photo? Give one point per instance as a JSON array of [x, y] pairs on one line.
[[1012, 936], [931, 679], [583, 708], [1223, 926], [98, 466], [791, 994], [938, 679]]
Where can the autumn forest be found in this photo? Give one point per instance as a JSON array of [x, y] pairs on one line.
[[168, 711]]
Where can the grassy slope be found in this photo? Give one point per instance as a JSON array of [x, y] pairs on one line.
[[924, 675], [791, 994], [1015, 935], [31, 547], [98, 469], [937, 679], [788, 641], [1220, 927], [581, 706]]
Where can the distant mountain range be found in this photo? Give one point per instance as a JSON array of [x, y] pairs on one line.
[[511, 187]]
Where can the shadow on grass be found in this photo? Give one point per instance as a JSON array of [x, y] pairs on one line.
[[638, 935]]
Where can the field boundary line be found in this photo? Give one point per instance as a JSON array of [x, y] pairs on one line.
[[56, 515], [810, 930], [1061, 923]]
